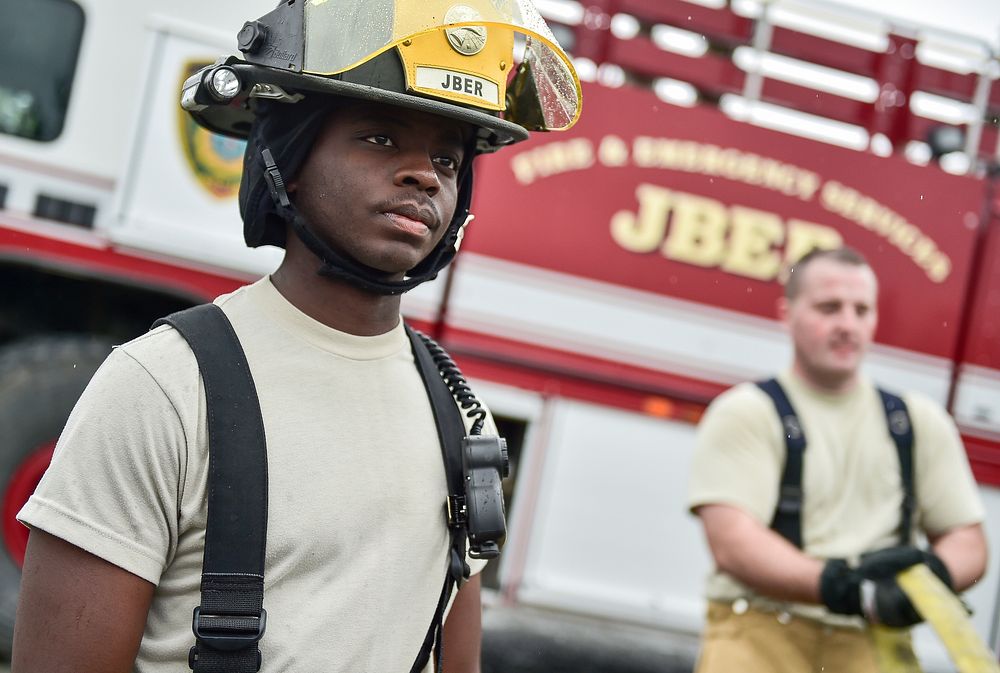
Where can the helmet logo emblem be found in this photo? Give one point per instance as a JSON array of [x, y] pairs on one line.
[[466, 40]]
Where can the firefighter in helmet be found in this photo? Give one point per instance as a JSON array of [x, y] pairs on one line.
[[457, 61], [363, 119]]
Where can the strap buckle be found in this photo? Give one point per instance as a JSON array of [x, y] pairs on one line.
[[790, 500], [228, 634], [275, 183], [458, 513]]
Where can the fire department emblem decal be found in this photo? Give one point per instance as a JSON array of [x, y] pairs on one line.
[[215, 161], [466, 40]]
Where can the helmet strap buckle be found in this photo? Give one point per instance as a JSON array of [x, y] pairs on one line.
[[275, 183], [460, 234]]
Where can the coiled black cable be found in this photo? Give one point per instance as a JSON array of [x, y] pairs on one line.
[[456, 383]]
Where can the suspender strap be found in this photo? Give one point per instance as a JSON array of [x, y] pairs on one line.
[[787, 520], [451, 430], [788, 515], [230, 621], [901, 430]]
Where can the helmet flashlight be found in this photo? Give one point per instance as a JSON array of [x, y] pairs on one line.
[[223, 84]]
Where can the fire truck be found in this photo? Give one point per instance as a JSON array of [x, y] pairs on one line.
[[617, 277]]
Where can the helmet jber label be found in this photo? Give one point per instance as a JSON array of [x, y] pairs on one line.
[[452, 82], [466, 40]]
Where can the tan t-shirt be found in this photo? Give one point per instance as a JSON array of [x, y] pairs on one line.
[[851, 479], [357, 540]]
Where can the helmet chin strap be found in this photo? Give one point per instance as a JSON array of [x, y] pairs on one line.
[[362, 276]]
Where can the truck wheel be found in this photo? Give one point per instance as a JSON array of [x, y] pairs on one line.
[[40, 381]]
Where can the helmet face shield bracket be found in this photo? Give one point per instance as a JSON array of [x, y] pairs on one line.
[[524, 101]]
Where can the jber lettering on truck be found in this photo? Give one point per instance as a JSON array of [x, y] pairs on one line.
[[660, 229]]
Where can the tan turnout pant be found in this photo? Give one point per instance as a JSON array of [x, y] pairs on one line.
[[758, 642]]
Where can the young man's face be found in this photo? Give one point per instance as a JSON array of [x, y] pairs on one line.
[[380, 184], [832, 321]]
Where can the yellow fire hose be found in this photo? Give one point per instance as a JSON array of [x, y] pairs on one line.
[[947, 616]]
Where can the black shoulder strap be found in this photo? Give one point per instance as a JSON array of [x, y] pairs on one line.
[[788, 515], [451, 431], [231, 619], [901, 430], [787, 520]]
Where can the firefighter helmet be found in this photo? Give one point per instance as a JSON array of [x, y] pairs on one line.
[[493, 64]]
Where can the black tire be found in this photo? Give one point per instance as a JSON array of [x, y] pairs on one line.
[[40, 381]]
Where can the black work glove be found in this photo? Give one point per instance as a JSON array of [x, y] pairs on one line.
[[840, 587], [871, 591], [883, 601]]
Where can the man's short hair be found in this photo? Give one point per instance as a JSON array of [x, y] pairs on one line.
[[843, 255]]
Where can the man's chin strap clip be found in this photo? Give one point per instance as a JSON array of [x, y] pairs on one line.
[[275, 183], [460, 234]]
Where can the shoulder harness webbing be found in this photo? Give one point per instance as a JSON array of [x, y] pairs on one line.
[[231, 619], [787, 520]]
